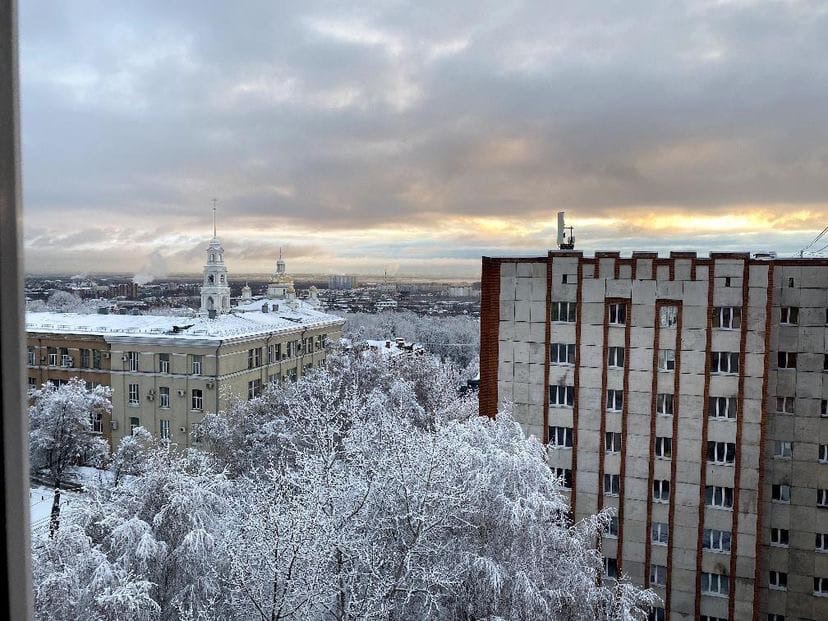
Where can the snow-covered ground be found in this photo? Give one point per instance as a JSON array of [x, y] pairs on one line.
[[40, 501]]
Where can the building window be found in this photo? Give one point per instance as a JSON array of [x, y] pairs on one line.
[[97, 422], [661, 490], [821, 543], [164, 397], [709, 618], [785, 405], [658, 574], [612, 527], [823, 407], [290, 375], [96, 358], [657, 614], [197, 399], [613, 441], [134, 423], [721, 452], [790, 282], [664, 404], [32, 382], [52, 357], [254, 388], [560, 437], [727, 281], [821, 586], [132, 393], [615, 400], [196, 362], [779, 537], [618, 314], [615, 357], [164, 428], [724, 362], [775, 617], [561, 396], [825, 362], [610, 567], [565, 476], [659, 533], [786, 360], [715, 584], [562, 353], [823, 453], [716, 540], [85, 358], [727, 317], [65, 358], [132, 360], [563, 311], [274, 353], [722, 407], [782, 449], [778, 580], [718, 497], [666, 360], [781, 493], [254, 357], [30, 356], [822, 498], [664, 447], [668, 316], [789, 315], [612, 484], [163, 363]]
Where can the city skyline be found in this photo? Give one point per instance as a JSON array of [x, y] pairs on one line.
[[416, 139]]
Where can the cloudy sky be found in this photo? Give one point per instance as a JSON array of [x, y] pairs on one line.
[[417, 136]]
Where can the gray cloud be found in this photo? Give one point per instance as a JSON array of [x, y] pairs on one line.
[[327, 117]]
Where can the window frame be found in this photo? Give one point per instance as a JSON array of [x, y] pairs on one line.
[[617, 314]]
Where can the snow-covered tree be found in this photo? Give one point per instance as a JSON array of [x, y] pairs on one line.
[[60, 436]]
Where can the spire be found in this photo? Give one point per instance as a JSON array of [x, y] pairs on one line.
[[214, 217]]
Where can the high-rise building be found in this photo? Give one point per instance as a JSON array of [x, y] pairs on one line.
[[691, 395]]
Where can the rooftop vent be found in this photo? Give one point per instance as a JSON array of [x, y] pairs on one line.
[[264, 308]]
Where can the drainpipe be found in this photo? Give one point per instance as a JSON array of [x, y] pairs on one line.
[[216, 383]]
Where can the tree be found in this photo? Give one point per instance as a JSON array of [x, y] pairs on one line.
[[60, 436]]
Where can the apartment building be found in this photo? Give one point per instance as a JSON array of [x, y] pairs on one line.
[[691, 395]]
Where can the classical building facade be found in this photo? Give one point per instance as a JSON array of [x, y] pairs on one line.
[[691, 395], [166, 372]]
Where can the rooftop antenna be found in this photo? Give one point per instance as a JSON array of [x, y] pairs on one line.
[[214, 216], [565, 242]]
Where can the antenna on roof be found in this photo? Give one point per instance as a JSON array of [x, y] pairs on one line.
[[565, 242], [214, 216]]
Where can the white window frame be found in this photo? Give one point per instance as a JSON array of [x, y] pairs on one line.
[[164, 428], [822, 498], [777, 580], [727, 317], [718, 497], [30, 356], [561, 396], [821, 542], [560, 437], [164, 363], [660, 533], [784, 493], [612, 484], [721, 408], [782, 449], [615, 400], [611, 530], [164, 397], [661, 490], [721, 453], [254, 388], [565, 475], [820, 586], [786, 360], [777, 535], [616, 357], [665, 403], [715, 584], [133, 394], [564, 312], [786, 405], [197, 364], [666, 359], [610, 567], [196, 400], [663, 447], [562, 353], [658, 574], [724, 362], [789, 315], [823, 454], [668, 316], [823, 407], [716, 540], [618, 314], [612, 442], [132, 361]]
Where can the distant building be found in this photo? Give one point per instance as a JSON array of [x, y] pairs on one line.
[[386, 305], [341, 282], [691, 395]]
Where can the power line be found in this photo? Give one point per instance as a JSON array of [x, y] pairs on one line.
[[816, 239]]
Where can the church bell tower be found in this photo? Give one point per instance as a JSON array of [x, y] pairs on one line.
[[215, 289]]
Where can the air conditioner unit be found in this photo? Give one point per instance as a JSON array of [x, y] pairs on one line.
[[114, 425], [181, 393], [150, 396], [210, 385], [151, 391], [124, 358], [107, 355]]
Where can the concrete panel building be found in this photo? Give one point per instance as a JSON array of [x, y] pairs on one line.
[[690, 395]]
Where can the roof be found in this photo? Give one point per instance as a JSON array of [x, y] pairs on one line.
[[240, 324]]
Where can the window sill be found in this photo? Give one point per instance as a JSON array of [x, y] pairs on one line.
[[134, 405], [779, 545], [820, 594], [712, 594], [721, 463], [716, 551], [659, 543], [777, 588], [782, 502], [720, 508]]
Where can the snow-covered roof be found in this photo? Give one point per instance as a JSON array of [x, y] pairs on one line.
[[241, 323]]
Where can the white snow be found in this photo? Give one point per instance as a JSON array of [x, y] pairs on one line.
[[40, 503]]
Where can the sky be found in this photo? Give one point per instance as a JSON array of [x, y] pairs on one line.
[[415, 137]]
